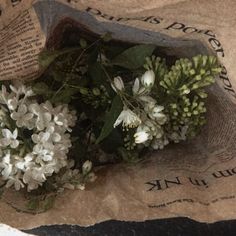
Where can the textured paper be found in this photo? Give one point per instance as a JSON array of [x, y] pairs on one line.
[[195, 179]]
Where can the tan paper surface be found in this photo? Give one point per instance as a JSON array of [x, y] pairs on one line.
[[194, 179]]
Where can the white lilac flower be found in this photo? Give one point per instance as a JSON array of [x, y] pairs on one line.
[[41, 138], [21, 116], [141, 137], [43, 117], [139, 90], [9, 138], [9, 99], [156, 114], [159, 143], [118, 84], [63, 117], [16, 181], [6, 166], [31, 180], [42, 154], [24, 163], [20, 89], [152, 128], [128, 119], [87, 166], [148, 79], [50, 139]]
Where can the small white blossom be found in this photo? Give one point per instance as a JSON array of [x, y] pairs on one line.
[[118, 84], [21, 116], [141, 137], [6, 166], [159, 143], [148, 79], [9, 138], [87, 166], [156, 114], [43, 117], [16, 181], [20, 89], [128, 119]]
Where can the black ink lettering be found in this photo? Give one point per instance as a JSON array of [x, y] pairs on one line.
[[197, 182], [93, 11], [154, 185], [176, 181], [107, 17], [224, 173], [210, 33], [123, 19], [216, 45], [190, 30], [155, 20], [234, 170], [221, 50], [176, 25]]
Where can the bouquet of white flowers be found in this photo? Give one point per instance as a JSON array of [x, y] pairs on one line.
[[99, 102]]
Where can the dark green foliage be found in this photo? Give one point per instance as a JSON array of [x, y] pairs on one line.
[[110, 119], [134, 57]]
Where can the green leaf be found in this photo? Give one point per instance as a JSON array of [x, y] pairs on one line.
[[65, 95], [99, 77], [134, 57], [113, 141], [47, 57], [111, 117], [97, 74], [48, 203], [42, 88], [33, 204]]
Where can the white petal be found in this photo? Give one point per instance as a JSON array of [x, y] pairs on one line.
[[136, 86], [56, 137], [40, 124], [28, 116], [7, 171], [12, 103], [47, 116], [22, 109], [14, 115], [45, 137], [119, 120], [87, 166], [15, 134], [141, 137], [35, 138], [14, 144], [148, 78], [6, 133], [118, 83]]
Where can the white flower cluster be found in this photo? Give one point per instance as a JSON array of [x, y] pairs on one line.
[[34, 138], [148, 117]]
